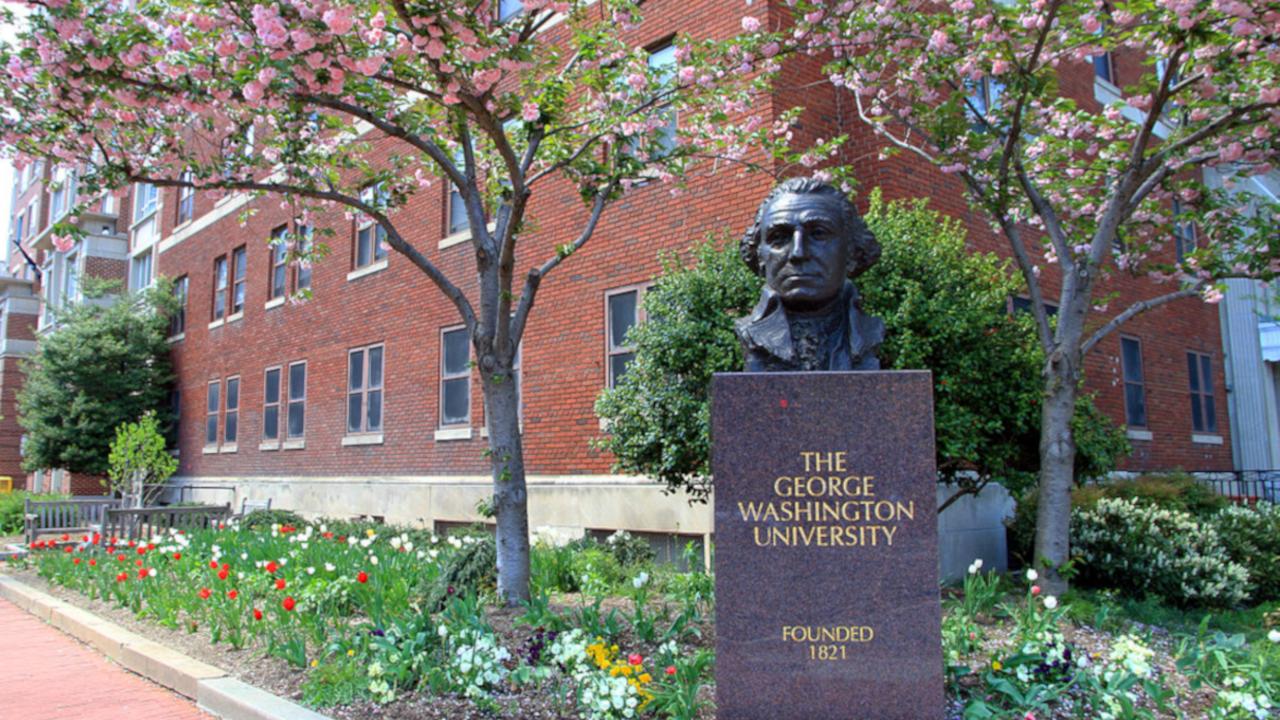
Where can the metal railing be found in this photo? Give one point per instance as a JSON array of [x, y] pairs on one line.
[[1243, 486]]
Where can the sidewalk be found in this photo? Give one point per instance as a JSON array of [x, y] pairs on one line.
[[46, 675]]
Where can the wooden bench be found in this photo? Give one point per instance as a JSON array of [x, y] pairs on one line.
[[70, 515], [139, 523]]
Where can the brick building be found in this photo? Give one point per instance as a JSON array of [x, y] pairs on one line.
[[360, 401]]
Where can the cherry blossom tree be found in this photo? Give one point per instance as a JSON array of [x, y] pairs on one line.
[[1081, 190], [287, 97]]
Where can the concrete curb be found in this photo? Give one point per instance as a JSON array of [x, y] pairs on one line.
[[212, 689]]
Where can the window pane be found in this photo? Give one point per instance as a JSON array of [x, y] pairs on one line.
[[458, 220], [237, 303], [220, 272], [508, 9], [1197, 418], [297, 417], [277, 281], [239, 263], [1210, 417], [457, 403], [214, 391], [1132, 354], [1135, 405], [1206, 374], [380, 246], [271, 422], [231, 427], [297, 381], [375, 367], [355, 371], [355, 407], [363, 247], [375, 410], [618, 366], [622, 315], [457, 352], [1102, 66], [271, 391], [1193, 372], [211, 430], [233, 394]]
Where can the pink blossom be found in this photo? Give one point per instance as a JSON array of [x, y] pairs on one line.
[[302, 40], [339, 20], [529, 112], [62, 243], [750, 24], [1090, 23], [253, 91], [370, 66], [435, 49], [637, 81], [1232, 152]]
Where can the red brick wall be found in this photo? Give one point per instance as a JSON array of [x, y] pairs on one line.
[[564, 350], [106, 268], [11, 381]]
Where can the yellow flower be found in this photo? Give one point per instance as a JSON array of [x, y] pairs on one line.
[[645, 678], [995, 665], [369, 532], [315, 663], [351, 653]]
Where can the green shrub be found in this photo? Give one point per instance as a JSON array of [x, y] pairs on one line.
[[1141, 549], [470, 570], [1177, 491], [551, 568], [264, 519], [628, 549], [138, 461], [597, 570], [1252, 538]]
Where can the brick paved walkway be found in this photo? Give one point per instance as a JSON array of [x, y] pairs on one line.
[[47, 675]]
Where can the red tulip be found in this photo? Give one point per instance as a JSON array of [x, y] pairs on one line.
[[272, 567], [257, 614], [75, 561], [280, 583], [93, 563], [122, 577], [204, 593], [222, 574], [635, 659], [671, 670], [142, 574], [362, 577], [232, 594], [177, 556], [121, 557], [213, 564], [288, 604]]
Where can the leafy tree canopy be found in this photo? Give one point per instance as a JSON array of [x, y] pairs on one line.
[[103, 365]]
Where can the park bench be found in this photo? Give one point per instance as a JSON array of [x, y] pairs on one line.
[[251, 506], [69, 515], [139, 523]]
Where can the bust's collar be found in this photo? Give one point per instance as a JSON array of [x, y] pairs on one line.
[[767, 327]]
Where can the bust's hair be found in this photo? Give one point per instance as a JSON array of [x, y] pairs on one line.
[[862, 255]]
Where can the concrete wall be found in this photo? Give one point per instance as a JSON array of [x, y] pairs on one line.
[[972, 528]]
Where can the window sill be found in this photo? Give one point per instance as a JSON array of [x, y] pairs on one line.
[[1136, 434], [294, 444], [234, 317], [369, 269], [269, 445], [227, 449], [210, 450], [216, 324], [484, 431], [176, 338], [273, 303], [453, 433], [461, 236], [1206, 439], [368, 439], [181, 225]]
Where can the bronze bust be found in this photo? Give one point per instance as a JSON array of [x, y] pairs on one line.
[[808, 241]]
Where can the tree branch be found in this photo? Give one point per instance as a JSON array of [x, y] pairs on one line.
[[1133, 310]]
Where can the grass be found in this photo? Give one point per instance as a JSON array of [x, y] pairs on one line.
[[1109, 611]]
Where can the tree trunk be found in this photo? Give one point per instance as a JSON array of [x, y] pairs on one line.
[[510, 495], [1057, 475]]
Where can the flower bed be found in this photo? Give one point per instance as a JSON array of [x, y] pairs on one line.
[[367, 621]]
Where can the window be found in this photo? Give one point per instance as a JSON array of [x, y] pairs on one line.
[[508, 9], [18, 230], [271, 404], [237, 284], [623, 312], [186, 200], [1200, 373], [145, 200], [211, 414], [1135, 394], [140, 275], [660, 142], [298, 399], [1184, 233], [279, 252], [71, 285], [364, 390], [220, 287], [231, 420], [1104, 67], [370, 236], [1023, 305], [302, 273], [984, 97], [62, 194], [178, 323], [458, 219], [455, 377]]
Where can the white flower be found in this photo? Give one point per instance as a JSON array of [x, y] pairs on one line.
[[1032, 575], [1050, 602], [329, 567], [311, 571], [1274, 636], [640, 580], [244, 556], [152, 572], [373, 559]]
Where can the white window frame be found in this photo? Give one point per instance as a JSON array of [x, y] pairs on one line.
[[230, 415], [301, 399], [611, 350], [364, 390], [376, 234], [272, 441], [212, 413], [446, 376]]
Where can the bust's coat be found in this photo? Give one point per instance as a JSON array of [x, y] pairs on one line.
[[765, 335]]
